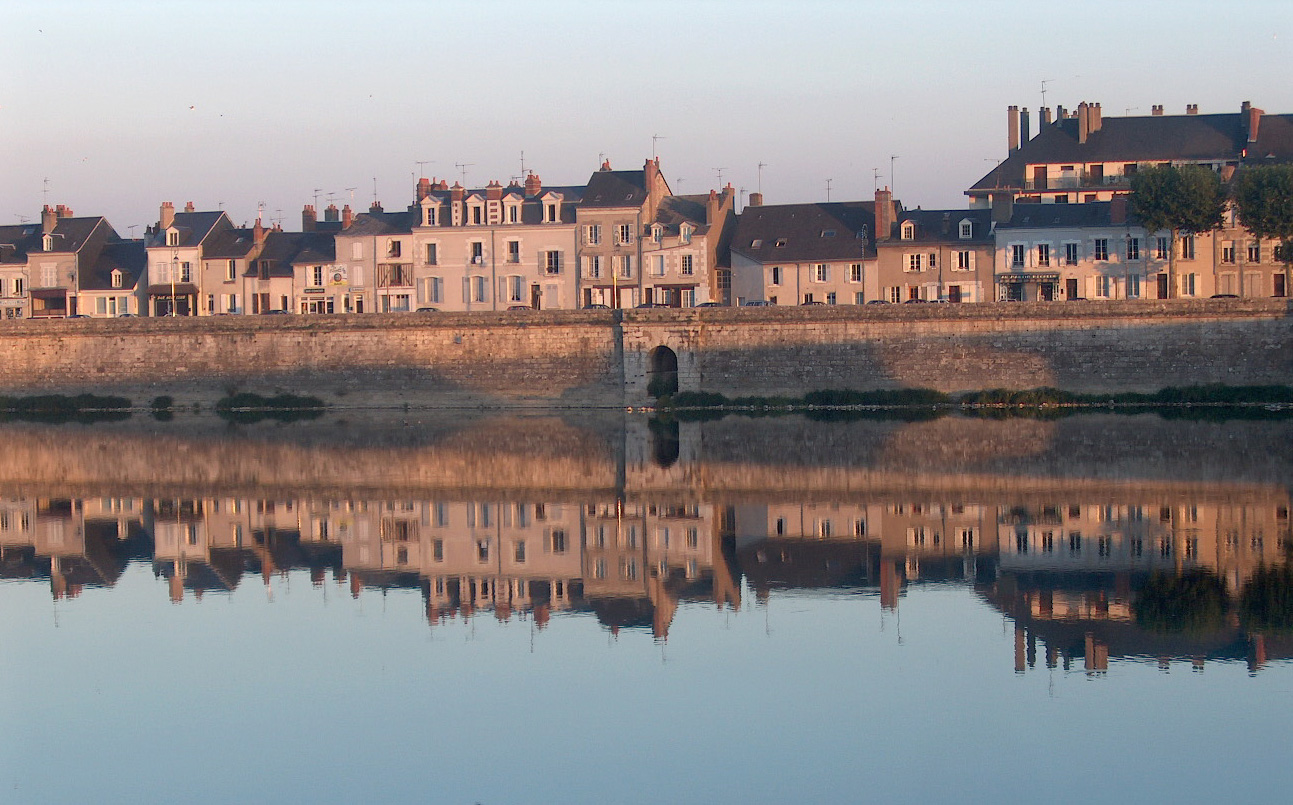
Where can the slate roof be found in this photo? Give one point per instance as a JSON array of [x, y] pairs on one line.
[[802, 230], [1153, 138], [232, 242], [675, 210], [531, 207], [23, 238], [129, 256], [70, 234], [610, 188], [367, 224], [193, 228], [941, 226], [1059, 216], [286, 249]]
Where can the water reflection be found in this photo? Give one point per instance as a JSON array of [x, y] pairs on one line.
[[1096, 548]]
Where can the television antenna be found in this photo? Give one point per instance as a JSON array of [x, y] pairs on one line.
[[762, 165], [462, 169], [654, 139]]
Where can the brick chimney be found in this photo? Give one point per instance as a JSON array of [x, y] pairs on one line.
[[167, 217], [188, 207], [1003, 207], [1084, 122], [1191, 108], [48, 220], [1043, 118], [606, 165], [1012, 128], [375, 207], [424, 188], [330, 213], [308, 218], [532, 184], [884, 214], [347, 217], [1059, 112], [1156, 110], [1118, 209], [655, 185], [258, 232], [1095, 118], [493, 191], [1251, 120], [1025, 126], [756, 200]]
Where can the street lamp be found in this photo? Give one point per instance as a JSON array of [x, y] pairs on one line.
[[175, 267]]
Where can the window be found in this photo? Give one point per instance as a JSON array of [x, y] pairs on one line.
[[513, 216], [859, 298], [594, 266], [1043, 254], [933, 261], [316, 276], [657, 265], [1017, 255], [477, 214], [1187, 247], [1102, 248], [231, 271], [519, 552], [855, 272], [1254, 251], [514, 251], [430, 216], [1102, 285], [1133, 286], [478, 286], [552, 262], [967, 230], [830, 298], [687, 265], [515, 289], [821, 273], [557, 540], [908, 230], [965, 261], [231, 303], [684, 233], [1188, 284], [356, 251], [1228, 251], [477, 253], [1133, 248], [117, 278], [432, 254], [895, 294], [1160, 248], [1071, 254], [172, 239], [186, 272], [593, 234], [776, 275], [914, 262], [624, 233], [757, 243], [779, 242], [626, 267], [393, 248]]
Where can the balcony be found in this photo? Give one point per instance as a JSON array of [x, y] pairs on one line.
[[1078, 180]]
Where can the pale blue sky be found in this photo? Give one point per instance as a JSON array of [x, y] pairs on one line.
[[123, 105]]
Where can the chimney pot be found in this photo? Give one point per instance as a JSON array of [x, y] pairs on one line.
[[1191, 108], [308, 218], [756, 200], [330, 213], [1084, 122], [1156, 110], [1044, 118], [532, 184], [167, 216], [347, 217], [48, 220], [1012, 128], [188, 207]]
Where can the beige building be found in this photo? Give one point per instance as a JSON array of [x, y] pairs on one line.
[[937, 256], [613, 218]]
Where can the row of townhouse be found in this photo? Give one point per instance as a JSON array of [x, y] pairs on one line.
[[621, 240]]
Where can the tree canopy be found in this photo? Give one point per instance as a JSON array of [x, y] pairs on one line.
[[1264, 201], [1187, 199]]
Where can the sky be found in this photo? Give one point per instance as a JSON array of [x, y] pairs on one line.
[[113, 108]]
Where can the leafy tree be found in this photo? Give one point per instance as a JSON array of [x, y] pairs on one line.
[[1264, 200], [1185, 200]]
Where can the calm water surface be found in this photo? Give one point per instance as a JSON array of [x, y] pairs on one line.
[[595, 608]]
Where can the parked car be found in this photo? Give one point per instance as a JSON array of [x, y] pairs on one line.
[[756, 303], [428, 310], [1225, 296], [804, 304], [519, 307], [596, 306], [711, 304], [878, 302]]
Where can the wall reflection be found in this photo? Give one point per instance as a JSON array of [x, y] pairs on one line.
[[1089, 570]]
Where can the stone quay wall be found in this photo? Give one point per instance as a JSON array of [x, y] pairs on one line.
[[606, 358]]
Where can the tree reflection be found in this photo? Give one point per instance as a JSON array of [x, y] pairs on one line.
[[1194, 601], [1266, 604]]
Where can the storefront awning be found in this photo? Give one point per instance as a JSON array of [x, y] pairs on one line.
[[49, 293], [1010, 279]]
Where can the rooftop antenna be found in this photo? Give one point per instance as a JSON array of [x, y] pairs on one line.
[[22, 219], [892, 159], [828, 189], [132, 229], [317, 191], [279, 220], [719, 171], [762, 165], [1045, 81], [875, 174], [351, 191], [329, 198], [1131, 109], [422, 162], [654, 139], [45, 190], [260, 208], [462, 168], [523, 173], [601, 158], [374, 189]]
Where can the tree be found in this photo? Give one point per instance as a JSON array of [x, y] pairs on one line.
[[1264, 201], [1185, 200]]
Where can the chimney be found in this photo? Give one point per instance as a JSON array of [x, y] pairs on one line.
[[1254, 121], [48, 220], [188, 207], [375, 207], [424, 188], [1043, 118], [1003, 207], [1095, 118], [1191, 108], [1059, 112], [330, 213], [532, 184], [457, 193], [444, 185], [308, 218], [1012, 128], [756, 200], [1025, 127], [606, 165], [654, 184], [1118, 209], [884, 214], [493, 191], [1156, 110], [1084, 122], [347, 217], [167, 217], [258, 232]]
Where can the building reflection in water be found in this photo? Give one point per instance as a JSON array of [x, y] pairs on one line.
[[1077, 565]]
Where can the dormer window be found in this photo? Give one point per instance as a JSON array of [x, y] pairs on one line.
[[47, 243], [172, 237], [429, 217], [117, 278], [476, 214], [967, 230], [779, 242], [757, 243], [514, 213], [657, 233], [550, 213], [684, 233], [828, 233], [908, 230]]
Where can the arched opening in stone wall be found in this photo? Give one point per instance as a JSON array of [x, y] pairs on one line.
[[662, 372]]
